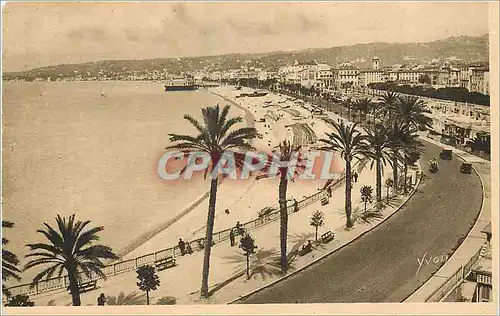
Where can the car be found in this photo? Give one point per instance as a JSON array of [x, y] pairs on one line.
[[466, 168], [446, 154]]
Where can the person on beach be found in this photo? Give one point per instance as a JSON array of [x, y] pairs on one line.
[[355, 176], [231, 237], [101, 300], [182, 246]]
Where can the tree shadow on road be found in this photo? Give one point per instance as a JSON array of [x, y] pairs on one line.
[[362, 216], [393, 200], [264, 263], [133, 298]]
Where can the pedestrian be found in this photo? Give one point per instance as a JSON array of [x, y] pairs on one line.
[[355, 175], [182, 246], [295, 205], [238, 227], [231, 237], [189, 250], [101, 300]]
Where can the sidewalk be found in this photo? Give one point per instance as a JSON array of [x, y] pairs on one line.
[[183, 281], [474, 240]]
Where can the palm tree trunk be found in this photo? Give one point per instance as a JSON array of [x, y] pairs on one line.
[[348, 188], [73, 286], [395, 172], [208, 238], [283, 221], [316, 239], [248, 266], [379, 181], [147, 297], [406, 176]]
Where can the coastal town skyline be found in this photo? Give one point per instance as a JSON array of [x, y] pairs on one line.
[[183, 30]]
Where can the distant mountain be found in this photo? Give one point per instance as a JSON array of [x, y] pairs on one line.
[[462, 48]]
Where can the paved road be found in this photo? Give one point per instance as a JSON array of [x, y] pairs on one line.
[[382, 265]]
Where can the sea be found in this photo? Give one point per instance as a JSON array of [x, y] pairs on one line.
[[91, 149]]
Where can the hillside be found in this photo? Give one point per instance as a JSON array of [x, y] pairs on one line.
[[462, 48]]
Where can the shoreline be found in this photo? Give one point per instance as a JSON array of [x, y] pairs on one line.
[[145, 237], [243, 200], [249, 116]]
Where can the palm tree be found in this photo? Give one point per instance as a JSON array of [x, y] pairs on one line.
[[350, 106], [379, 151], [366, 194], [71, 247], [412, 148], [374, 109], [363, 106], [389, 183], [350, 144], [214, 138], [396, 133], [389, 101], [9, 261], [290, 155], [412, 110], [405, 147]]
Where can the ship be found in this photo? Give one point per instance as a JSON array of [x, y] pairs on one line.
[[257, 93], [180, 84], [253, 94]]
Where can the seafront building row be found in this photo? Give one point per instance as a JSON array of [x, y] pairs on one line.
[[474, 77]]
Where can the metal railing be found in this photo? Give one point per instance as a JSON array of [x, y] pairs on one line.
[[119, 267], [454, 280]]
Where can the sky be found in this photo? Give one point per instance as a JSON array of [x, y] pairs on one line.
[[41, 34]]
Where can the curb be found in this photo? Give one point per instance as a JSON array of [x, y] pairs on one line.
[[466, 237], [335, 250]]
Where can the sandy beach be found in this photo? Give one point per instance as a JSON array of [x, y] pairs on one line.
[[244, 199]]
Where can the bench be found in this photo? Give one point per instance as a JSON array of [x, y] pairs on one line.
[[324, 201], [327, 237], [85, 286], [165, 263], [266, 211], [305, 249]]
